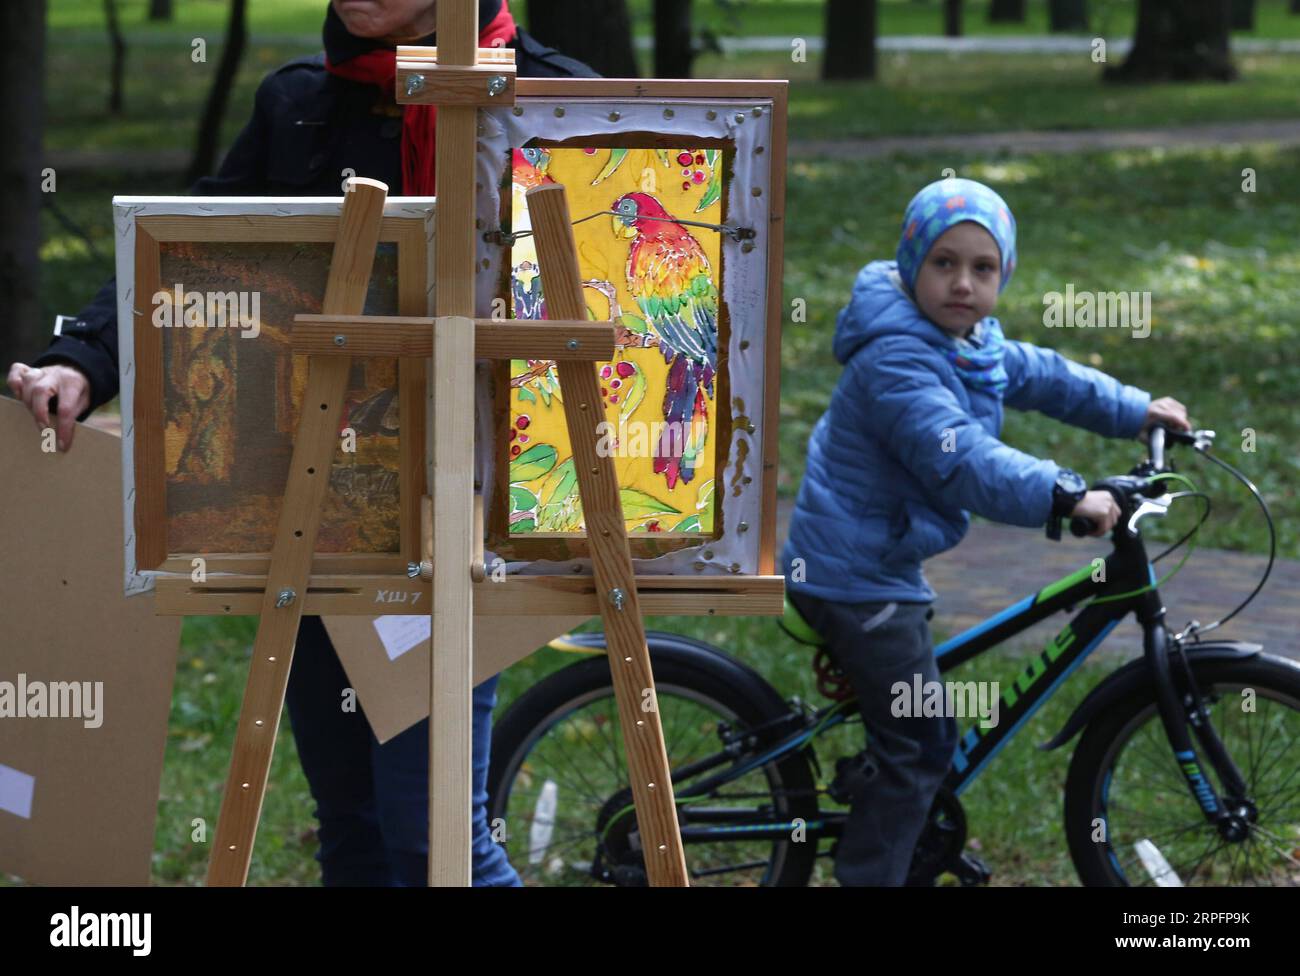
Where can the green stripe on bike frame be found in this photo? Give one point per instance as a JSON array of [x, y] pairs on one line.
[[1078, 576]]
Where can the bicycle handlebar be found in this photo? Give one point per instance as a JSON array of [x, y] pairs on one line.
[[1125, 486]]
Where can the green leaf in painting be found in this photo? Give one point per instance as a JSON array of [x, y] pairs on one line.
[[689, 524], [526, 395], [634, 323], [560, 484], [638, 504], [533, 463], [521, 499]]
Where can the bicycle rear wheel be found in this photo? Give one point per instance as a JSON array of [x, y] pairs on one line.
[[1129, 817], [559, 782]]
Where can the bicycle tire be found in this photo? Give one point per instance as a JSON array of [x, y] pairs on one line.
[[1109, 857], [545, 706]]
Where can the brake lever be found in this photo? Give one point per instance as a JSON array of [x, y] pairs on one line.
[[1150, 506]]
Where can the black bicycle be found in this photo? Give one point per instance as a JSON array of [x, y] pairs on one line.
[[1185, 770]]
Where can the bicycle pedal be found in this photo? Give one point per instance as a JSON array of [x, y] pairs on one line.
[[971, 870]]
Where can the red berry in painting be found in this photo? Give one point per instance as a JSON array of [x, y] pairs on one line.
[[514, 449], [699, 159], [653, 526], [699, 176], [605, 371], [513, 432], [683, 158], [590, 152], [523, 422], [613, 398], [615, 384], [523, 438], [625, 369]]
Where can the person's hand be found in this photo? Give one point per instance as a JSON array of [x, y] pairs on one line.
[[1101, 507], [36, 387], [1169, 413]]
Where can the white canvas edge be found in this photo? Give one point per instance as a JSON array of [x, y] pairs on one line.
[[125, 211], [744, 284]]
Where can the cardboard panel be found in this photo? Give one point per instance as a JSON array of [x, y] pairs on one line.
[[79, 794], [394, 690]]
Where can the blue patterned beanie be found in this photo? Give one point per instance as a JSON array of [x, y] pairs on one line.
[[943, 204]]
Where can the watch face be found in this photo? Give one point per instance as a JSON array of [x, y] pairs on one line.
[[1071, 481]]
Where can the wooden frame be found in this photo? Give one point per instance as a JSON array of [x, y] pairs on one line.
[[154, 222], [715, 103]]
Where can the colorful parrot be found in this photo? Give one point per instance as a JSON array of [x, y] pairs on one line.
[[669, 276], [527, 169]]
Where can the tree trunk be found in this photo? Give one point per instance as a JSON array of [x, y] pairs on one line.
[[1067, 15], [850, 40], [160, 9], [952, 18], [596, 32], [205, 149], [674, 52], [117, 65], [1007, 11], [22, 106], [1178, 40], [1242, 15]]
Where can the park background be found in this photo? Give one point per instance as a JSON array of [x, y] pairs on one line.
[[1117, 184]]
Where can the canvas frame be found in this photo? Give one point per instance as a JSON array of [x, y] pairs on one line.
[[143, 224], [604, 112]]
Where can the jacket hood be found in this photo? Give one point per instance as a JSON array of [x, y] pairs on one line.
[[879, 306]]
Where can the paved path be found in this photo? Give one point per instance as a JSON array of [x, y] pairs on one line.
[[1023, 44], [1284, 132], [996, 565]]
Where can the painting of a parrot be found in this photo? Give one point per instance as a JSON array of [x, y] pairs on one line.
[[668, 275]]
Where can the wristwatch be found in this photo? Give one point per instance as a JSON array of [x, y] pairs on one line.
[[1066, 494]]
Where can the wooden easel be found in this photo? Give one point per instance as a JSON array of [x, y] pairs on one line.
[[452, 548]]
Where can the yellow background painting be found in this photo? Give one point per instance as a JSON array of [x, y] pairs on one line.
[[668, 300]]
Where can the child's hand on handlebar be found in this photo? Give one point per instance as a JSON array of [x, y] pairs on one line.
[[1166, 411], [1100, 508]]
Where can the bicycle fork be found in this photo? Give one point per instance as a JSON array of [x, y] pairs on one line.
[[1180, 707]]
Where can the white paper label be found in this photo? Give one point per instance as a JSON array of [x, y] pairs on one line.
[[16, 790], [400, 633]]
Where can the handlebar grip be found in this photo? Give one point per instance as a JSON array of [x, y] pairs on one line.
[[1080, 526]]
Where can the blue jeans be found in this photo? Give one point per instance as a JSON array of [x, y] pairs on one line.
[[372, 800]]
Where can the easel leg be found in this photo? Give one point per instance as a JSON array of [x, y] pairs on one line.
[[295, 544], [451, 480], [629, 657]]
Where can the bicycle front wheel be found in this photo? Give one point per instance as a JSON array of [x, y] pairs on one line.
[[1129, 817], [559, 783]]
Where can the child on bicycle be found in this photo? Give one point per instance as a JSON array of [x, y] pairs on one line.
[[907, 448]]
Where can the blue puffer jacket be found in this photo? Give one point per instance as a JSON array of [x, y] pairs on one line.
[[905, 451]]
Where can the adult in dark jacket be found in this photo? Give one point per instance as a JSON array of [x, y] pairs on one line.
[[312, 121]]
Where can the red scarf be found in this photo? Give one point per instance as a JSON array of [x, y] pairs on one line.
[[419, 122]]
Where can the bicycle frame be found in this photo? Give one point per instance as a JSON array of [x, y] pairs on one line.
[[1124, 582]]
